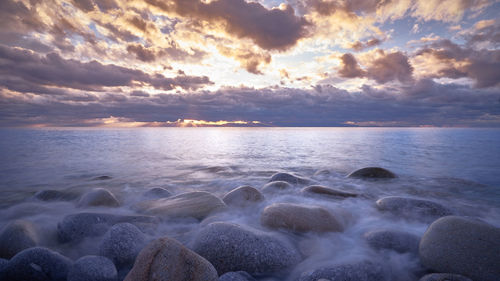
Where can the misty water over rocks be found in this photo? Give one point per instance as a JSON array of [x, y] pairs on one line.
[[70, 190]]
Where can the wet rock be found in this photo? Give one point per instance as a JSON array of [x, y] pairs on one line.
[[166, 259], [17, 236], [242, 196], [290, 178], [372, 173], [92, 268], [463, 246], [3, 264], [98, 197], [197, 204], [37, 264], [157, 192], [444, 277], [361, 271], [276, 186], [399, 241], [231, 247], [102, 178], [55, 195], [122, 243], [300, 218], [413, 208], [236, 276], [78, 226], [323, 190]]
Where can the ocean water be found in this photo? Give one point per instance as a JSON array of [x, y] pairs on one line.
[[459, 168]]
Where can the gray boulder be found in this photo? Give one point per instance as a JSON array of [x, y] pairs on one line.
[[323, 190], [242, 196], [361, 271], [122, 243], [98, 197], [399, 241], [231, 247], [55, 195], [165, 259], [236, 276], [75, 227], [276, 186], [299, 218], [463, 246], [17, 236], [290, 178], [444, 277], [37, 264], [372, 173], [157, 192], [197, 204], [92, 268], [418, 209]]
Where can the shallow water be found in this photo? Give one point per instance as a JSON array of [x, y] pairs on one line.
[[456, 167]]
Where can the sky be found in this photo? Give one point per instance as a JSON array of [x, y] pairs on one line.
[[161, 63]]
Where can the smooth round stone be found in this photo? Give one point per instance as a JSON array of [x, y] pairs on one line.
[[55, 195], [399, 241], [75, 227], [37, 264], [197, 204], [276, 186], [92, 268], [167, 259], [361, 271], [230, 247], [157, 192], [17, 236], [290, 178], [299, 218], [372, 173], [236, 276], [323, 190], [413, 208], [122, 243], [242, 196], [444, 277], [98, 197], [463, 246], [3, 264]]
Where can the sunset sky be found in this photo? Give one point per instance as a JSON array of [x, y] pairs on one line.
[[256, 63]]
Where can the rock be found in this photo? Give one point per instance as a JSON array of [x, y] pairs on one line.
[[372, 173], [463, 246], [236, 276], [444, 277], [17, 236], [157, 192], [98, 197], [319, 189], [122, 243], [3, 264], [413, 208], [300, 218], [37, 264], [231, 247], [102, 178], [78, 226], [166, 259], [291, 179], [361, 271], [276, 186], [92, 268], [399, 241], [197, 204], [55, 195], [242, 196]]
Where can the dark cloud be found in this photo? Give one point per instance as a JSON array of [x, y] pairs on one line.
[[142, 53], [350, 67], [359, 46], [174, 52], [487, 34]]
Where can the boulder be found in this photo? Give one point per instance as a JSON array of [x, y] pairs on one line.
[[231, 247], [236, 276], [290, 178], [323, 190], [399, 241], [360, 271], [242, 196], [198, 204], [98, 197], [299, 218], [92, 268], [165, 259], [3, 264], [37, 264], [122, 243], [55, 195], [276, 186], [372, 173], [17, 236], [413, 208], [444, 277], [462, 245], [75, 227], [157, 192], [102, 178]]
